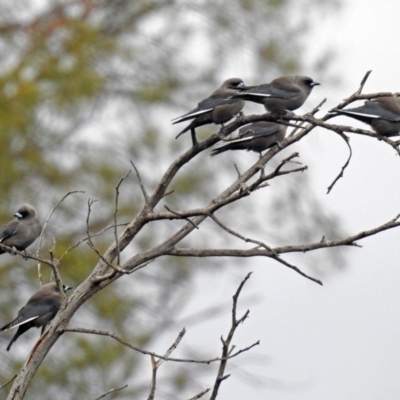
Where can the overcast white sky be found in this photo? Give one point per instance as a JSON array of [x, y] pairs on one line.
[[339, 341]]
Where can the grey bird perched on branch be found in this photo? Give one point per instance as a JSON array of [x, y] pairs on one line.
[[288, 92], [22, 231], [257, 137], [219, 108], [382, 114], [40, 309]]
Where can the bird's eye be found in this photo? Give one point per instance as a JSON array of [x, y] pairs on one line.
[[237, 83], [309, 82]]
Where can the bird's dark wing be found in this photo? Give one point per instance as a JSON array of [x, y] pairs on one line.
[[204, 107], [8, 230], [268, 90], [381, 110], [370, 111], [31, 312], [258, 130], [282, 89], [20, 320]]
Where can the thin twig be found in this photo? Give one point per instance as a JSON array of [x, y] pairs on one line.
[[312, 113], [201, 394], [45, 226], [142, 187], [346, 139], [91, 244], [294, 268], [226, 343], [51, 213], [155, 364], [257, 251], [115, 217], [24, 254], [114, 267], [241, 191], [153, 378], [344, 128], [101, 278], [173, 347], [364, 80], [237, 170], [238, 235], [180, 215], [140, 266], [111, 391], [150, 353], [194, 138], [56, 273], [9, 381], [85, 239]]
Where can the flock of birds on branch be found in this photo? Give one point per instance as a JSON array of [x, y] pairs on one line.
[[287, 93], [283, 94]]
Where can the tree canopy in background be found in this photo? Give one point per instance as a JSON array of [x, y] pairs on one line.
[[85, 87]]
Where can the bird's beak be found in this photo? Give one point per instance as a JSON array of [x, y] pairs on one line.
[[66, 288], [314, 84], [18, 215]]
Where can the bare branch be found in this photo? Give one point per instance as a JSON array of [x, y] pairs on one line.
[[155, 364], [114, 267], [247, 182], [150, 353], [344, 128], [312, 112], [101, 278], [357, 94], [256, 251], [24, 254], [274, 252], [369, 96], [181, 216], [240, 192], [238, 235], [226, 343]]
